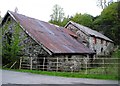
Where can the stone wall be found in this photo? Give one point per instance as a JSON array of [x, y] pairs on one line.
[[30, 47], [64, 63], [103, 48], [35, 57], [67, 63]]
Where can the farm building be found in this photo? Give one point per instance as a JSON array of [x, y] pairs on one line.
[[94, 40], [44, 41]]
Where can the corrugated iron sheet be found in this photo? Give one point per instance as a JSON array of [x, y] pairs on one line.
[[54, 38], [89, 31], [70, 33]]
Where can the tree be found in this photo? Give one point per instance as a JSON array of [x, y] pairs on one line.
[[109, 23], [84, 19], [57, 16], [65, 21], [11, 47], [104, 3]]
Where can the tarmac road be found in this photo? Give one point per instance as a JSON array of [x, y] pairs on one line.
[[12, 77]]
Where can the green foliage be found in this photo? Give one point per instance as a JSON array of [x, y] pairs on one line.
[[65, 21], [110, 13], [15, 48], [11, 43], [56, 22], [57, 16], [116, 54], [108, 22], [84, 19]]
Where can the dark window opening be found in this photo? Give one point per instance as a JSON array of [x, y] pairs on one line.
[[69, 57], [101, 49], [9, 19], [95, 50], [101, 41]]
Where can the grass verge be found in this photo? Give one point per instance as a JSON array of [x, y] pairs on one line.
[[68, 74]]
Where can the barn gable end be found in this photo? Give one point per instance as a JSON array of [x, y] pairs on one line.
[[92, 39]]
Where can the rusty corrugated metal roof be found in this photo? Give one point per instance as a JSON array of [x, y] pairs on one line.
[[88, 31], [70, 33], [54, 38]]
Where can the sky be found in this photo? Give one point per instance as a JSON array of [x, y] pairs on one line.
[[42, 9]]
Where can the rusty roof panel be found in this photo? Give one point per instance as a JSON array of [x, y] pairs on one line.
[[70, 33], [54, 38], [89, 31]]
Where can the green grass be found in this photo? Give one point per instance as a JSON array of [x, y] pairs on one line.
[[69, 74], [106, 71]]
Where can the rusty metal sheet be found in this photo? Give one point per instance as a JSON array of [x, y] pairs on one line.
[[89, 31], [56, 39]]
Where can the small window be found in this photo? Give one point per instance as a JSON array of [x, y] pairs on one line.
[[95, 40], [95, 50], [69, 57], [101, 41], [101, 49]]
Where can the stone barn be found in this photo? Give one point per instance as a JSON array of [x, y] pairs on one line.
[[45, 43], [92, 39]]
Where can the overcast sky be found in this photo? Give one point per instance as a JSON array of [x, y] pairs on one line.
[[42, 9]]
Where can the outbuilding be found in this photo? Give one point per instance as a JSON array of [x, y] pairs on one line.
[[45, 44], [92, 39]]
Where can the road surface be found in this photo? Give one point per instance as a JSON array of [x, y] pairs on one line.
[[13, 77]]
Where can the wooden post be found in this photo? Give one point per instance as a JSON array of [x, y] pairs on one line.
[[87, 64], [43, 63], [6, 65], [103, 65], [20, 62], [86, 68], [36, 63], [13, 64], [30, 63], [57, 64]]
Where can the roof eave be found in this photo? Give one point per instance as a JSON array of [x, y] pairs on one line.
[[74, 53], [102, 38]]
